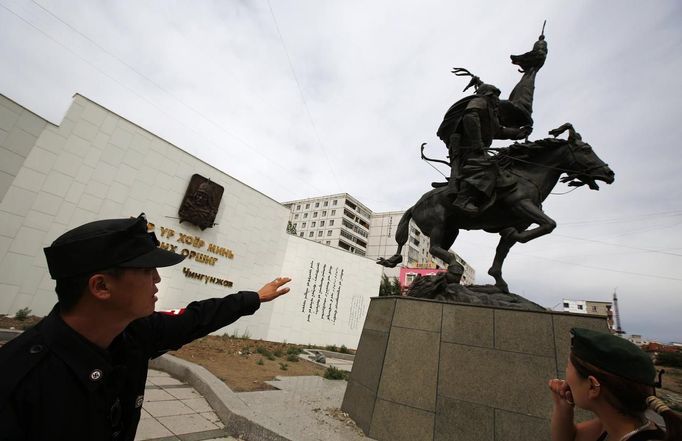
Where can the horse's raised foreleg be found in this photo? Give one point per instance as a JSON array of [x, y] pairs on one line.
[[501, 252], [530, 212]]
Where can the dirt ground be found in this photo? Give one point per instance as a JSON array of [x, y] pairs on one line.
[[245, 364], [12, 323]]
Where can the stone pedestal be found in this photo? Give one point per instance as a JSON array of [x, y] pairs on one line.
[[430, 370]]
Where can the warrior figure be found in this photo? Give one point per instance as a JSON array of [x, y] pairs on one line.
[[471, 124]]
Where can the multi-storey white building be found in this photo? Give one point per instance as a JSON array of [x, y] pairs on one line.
[[341, 221], [415, 252], [337, 220]]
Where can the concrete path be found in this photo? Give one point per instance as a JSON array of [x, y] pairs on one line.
[[302, 409], [173, 410]]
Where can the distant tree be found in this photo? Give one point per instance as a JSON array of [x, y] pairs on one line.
[[389, 286], [672, 359], [291, 229]]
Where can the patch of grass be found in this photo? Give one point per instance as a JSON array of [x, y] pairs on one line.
[[262, 350], [271, 357], [283, 366], [292, 357], [333, 373], [277, 353], [294, 351], [260, 362], [246, 350]]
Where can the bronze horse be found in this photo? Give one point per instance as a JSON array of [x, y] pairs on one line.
[[536, 167]]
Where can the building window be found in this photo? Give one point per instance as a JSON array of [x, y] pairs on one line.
[[328, 242], [294, 225], [298, 207], [317, 204], [295, 216], [312, 224], [580, 306], [594, 308], [307, 206], [319, 233], [331, 222], [324, 212], [333, 212], [334, 202], [311, 234], [329, 232], [303, 225], [326, 203], [314, 213], [305, 215], [566, 305], [301, 234], [322, 223]]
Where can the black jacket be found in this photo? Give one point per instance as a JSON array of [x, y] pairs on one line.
[[55, 385]]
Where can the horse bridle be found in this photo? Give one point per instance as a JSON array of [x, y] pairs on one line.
[[575, 161]]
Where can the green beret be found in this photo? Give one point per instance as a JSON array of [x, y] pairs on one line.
[[613, 354]]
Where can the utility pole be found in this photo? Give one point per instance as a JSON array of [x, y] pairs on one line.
[[616, 315]]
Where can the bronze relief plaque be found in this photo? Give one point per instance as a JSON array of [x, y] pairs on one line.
[[201, 202]]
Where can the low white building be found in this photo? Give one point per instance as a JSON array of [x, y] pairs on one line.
[[96, 164]]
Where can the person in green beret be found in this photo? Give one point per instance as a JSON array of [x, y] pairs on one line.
[[616, 381]]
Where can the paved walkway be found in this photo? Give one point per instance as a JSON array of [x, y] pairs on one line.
[[173, 410], [302, 409]]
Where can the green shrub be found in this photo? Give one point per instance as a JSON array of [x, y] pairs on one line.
[[344, 350], [246, 350], [294, 350], [333, 373], [332, 348], [292, 357], [22, 314], [277, 353], [260, 362], [283, 366], [270, 356], [263, 351]]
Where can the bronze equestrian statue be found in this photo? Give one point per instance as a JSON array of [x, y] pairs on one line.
[[498, 193], [535, 167]]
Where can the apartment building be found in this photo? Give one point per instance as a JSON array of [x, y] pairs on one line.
[[337, 220], [341, 221]]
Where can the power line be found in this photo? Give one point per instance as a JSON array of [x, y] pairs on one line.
[[636, 218], [300, 90], [599, 268], [648, 250], [123, 62]]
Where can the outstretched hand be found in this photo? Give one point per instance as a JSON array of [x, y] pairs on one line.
[[272, 290]]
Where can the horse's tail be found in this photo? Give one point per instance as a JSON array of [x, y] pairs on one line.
[[401, 233]]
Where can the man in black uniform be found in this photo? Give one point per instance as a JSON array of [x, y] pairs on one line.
[[80, 373]]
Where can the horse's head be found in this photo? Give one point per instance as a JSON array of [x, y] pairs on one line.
[[586, 167]]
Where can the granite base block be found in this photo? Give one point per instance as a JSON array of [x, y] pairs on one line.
[[431, 370]]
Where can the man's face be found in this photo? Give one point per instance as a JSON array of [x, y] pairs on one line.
[[133, 293]]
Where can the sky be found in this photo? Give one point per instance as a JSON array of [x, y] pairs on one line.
[[306, 98]]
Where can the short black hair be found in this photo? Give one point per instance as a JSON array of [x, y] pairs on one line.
[[70, 290]]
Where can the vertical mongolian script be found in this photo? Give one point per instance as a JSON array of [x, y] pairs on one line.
[[322, 291]]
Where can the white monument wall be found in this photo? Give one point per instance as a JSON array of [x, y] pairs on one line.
[[97, 165]]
